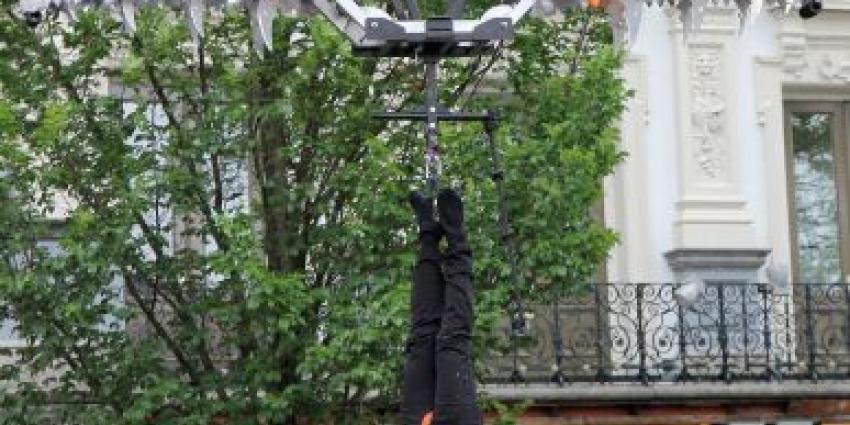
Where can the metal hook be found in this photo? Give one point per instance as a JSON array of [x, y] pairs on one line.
[[433, 169]]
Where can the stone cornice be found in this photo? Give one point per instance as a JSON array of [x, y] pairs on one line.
[[837, 5], [685, 259]]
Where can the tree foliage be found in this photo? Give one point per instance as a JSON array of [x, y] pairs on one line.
[[193, 233]]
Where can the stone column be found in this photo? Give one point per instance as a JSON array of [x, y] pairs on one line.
[[630, 258], [713, 223]]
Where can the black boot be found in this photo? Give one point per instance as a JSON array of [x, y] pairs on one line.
[[430, 231], [450, 207]]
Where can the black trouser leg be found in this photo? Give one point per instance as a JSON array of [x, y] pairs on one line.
[[455, 398], [455, 393], [426, 307]]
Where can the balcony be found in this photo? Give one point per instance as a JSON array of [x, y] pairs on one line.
[[638, 341]]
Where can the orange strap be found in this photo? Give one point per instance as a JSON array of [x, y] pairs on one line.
[[426, 420]]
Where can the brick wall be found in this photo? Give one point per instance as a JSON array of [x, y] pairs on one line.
[[797, 412]]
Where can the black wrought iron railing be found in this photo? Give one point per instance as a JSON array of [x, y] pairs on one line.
[[644, 332]]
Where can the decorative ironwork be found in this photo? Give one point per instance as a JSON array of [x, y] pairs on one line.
[[639, 332]]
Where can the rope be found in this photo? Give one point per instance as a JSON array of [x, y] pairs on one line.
[[516, 304]]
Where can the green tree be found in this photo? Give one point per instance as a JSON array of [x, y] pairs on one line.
[[230, 241]]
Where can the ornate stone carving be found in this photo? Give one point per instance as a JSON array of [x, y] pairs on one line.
[[708, 113], [794, 61], [835, 69]]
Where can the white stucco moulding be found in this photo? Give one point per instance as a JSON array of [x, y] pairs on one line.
[[711, 211]]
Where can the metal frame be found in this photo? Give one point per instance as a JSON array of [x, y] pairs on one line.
[[366, 27], [496, 23], [432, 40], [372, 32], [372, 28]]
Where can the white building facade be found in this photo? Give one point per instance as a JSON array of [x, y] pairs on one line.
[[738, 149]]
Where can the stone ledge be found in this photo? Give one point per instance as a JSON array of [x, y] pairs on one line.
[[843, 5], [666, 392], [684, 258]]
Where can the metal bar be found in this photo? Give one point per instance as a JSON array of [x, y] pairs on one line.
[[353, 10], [422, 50], [423, 116], [683, 345], [521, 9], [413, 10], [433, 167], [746, 327], [810, 333], [787, 333], [642, 372], [557, 339], [516, 307], [769, 372], [455, 9], [601, 374], [344, 22], [400, 9], [847, 321], [516, 374], [722, 336]]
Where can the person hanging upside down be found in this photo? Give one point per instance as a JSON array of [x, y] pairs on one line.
[[438, 384]]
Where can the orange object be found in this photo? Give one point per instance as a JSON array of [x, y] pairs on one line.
[[426, 420], [596, 4]]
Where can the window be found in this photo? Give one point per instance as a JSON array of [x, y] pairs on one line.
[[817, 145], [50, 244]]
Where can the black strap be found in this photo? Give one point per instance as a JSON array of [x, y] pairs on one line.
[[516, 305]]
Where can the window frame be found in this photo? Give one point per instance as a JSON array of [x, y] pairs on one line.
[[840, 110]]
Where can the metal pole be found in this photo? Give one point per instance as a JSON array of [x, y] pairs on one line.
[[601, 309], [722, 336], [400, 9], [847, 321], [769, 371], [413, 10], [557, 340], [810, 334], [684, 374], [516, 306], [642, 371], [455, 9], [433, 166], [746, 327]]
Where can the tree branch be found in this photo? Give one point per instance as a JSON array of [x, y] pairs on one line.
[[482, 73], [172, 345], [580, 45], [200, 200], [203, 79]]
